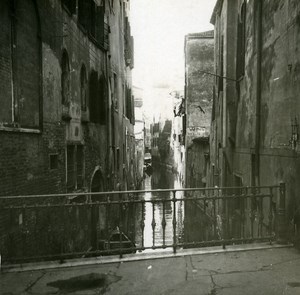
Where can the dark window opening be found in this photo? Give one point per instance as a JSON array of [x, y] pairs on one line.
[[102, 100], [241, 43], [97, 99], [21, 77], [71, 167], [75, 167], [70, 6], [53, 161], [221, 65], [79, 168], [118, 159], [65, 79], [92, 23], [94, 114], [102, 28], [83, 13], [83, 88], [129, 105], [128, 44], [124, 154], [91, 17], [115, 94], [112, 125]]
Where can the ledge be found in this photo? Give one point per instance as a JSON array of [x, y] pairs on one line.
[[20, 130]]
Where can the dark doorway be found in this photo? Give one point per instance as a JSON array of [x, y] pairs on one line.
[[97, 215]]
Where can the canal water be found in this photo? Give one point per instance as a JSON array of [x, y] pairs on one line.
[[155, 212]]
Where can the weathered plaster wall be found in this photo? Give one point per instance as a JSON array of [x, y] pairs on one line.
[[199, 59], [279, 106]]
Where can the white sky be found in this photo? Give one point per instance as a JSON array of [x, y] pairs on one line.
[[158, 28]]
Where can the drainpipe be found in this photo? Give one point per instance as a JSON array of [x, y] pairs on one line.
[[108, 121], [258, 90]]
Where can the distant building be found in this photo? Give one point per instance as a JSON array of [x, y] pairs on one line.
[[155, 130], [177, 141], [199, 66], [139, 133]]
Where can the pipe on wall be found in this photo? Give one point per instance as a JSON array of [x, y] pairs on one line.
[[259, 8]]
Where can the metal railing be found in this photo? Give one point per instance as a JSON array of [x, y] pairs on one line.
[[50, 227]]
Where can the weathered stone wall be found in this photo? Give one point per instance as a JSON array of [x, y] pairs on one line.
[[279, 104], [25, 148], [37, 38], [199, 67]]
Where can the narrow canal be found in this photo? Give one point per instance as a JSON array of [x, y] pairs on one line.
[[158, 214]]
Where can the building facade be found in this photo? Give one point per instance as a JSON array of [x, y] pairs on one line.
[[67, 115], [199, 66], [139, 132], [255, 121]]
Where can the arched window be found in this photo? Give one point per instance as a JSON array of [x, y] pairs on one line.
[[83, 88], [65, 78], [21, 54]]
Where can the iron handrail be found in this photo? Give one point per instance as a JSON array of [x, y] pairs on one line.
[[77, 194], [223, 216]]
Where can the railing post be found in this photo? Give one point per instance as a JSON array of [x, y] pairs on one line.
[[120, 223], [281, 220], [174, 222]]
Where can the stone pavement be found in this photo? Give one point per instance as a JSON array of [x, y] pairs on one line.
[[266, 271]]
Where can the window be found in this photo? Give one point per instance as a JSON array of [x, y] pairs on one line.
[[20, 77], [98, 95], [116, 91], [53, 161], [71, 184], [79, 168], [129, 105], [221, 65], [83, 88], [87, 16], [92, 22], [75, 167], [93, 86], [102, 100], [65, 79], [70, 5], [128, 44], [241, 43], [118, 159], [83, 13], [102, 28]]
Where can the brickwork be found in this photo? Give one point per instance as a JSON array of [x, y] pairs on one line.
[[6, 65], [35, 127]]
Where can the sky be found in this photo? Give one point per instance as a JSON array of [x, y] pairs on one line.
[[158, 28]]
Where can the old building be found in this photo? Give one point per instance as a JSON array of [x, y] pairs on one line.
[[67, 115], [255, 121], [199, 66], [139, 132], [177, 141]]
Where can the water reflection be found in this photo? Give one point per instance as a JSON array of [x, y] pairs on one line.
[[159, 215]]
